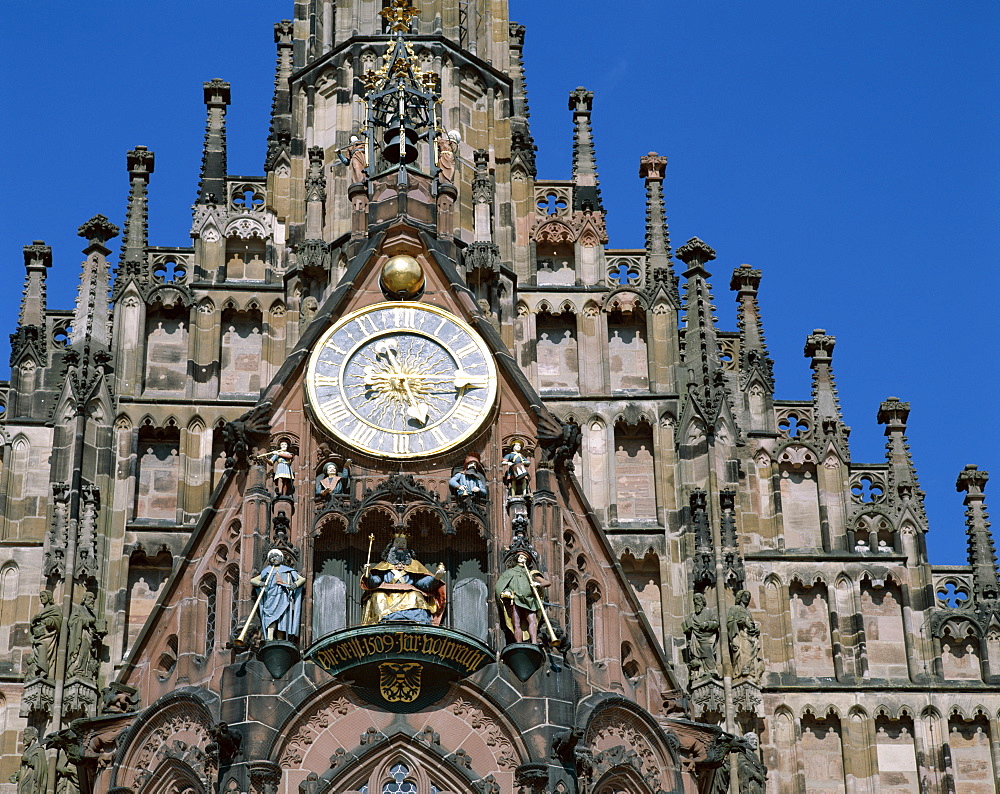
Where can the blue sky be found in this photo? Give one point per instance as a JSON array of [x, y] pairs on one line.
[[850, 150]]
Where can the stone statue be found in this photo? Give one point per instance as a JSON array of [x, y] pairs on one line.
[[448, 155], [744, 640], [355, 160], [401, 588], [281, 458], [85, 635], [751, 770], [281, 608], [701, 628], [33, 775], [45, 625], [311, 785], [520, 605], [515, 470], [470, 482]]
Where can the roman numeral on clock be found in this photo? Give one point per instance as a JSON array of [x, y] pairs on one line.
[[362, 434], [400, 444], [335, 410], [366, 324], [462, 352], [465, 414], [439, 436], [405, 318]]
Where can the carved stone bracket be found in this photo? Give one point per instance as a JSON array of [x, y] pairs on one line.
[[264, 777], [38, 697]]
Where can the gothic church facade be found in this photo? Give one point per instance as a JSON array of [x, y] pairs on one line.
[[719, 596]]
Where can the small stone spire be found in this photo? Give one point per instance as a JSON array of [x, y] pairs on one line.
[[701, 349], [280, 134], [904, 487], [29, 340], [91, 316], [37, 260], [653, 169], [212, 186], [586, 190], [135, 240], [753, 349], [522, 145], [819, 351], [982, 554]]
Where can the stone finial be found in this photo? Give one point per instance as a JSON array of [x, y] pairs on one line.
[[652, 167], [819, 346], [516, 33], [97, 231], [745, 279], [216, 92], [283, 31], [695, 253], [893, 413], [140, 162], [581, 100], [971, 480], [38, 255]]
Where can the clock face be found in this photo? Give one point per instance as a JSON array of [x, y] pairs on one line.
[[401, 380]]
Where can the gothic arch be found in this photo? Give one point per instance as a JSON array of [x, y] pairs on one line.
[[333, 716], [417, 760], [168, 738], [622, 736]]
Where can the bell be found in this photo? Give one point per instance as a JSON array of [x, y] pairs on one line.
[[523, 659], [278, 656], [391, 150]]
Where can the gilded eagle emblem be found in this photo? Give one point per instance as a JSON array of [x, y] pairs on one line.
[[399, 682]]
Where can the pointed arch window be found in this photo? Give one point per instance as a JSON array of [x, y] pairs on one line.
[[209, 590], [593, 597]]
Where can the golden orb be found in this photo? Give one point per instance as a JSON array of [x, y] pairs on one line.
[[402, 274]]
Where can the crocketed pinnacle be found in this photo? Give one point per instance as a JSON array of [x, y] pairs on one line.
[[701, 348], [903, 484], [982, 554], [212, 186], [279, 136], [586, 187], [92, 314], [135, 239]]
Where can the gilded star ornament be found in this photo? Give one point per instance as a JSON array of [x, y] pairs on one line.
[[398, 14]]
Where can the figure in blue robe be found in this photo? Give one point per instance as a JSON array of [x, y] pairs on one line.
[[281, 607]]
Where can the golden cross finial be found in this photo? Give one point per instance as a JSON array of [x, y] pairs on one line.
[[398, 14]]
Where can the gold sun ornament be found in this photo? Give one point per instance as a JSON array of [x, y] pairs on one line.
[[398, 14]]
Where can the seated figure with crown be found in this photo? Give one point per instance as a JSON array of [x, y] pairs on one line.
[[400, 588]]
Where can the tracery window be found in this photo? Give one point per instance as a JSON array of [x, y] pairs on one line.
[[209, 590]]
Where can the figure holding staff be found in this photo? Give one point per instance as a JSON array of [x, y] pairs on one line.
[[521, 601], [280, 600]]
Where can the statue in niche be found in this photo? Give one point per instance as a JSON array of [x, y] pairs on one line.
[[44, 629], [281, 607], [744, 640], [515, 470], [334, 481], [469, 483], [281, 458], [519, 591], [701, 628], [356, 159], [401, 588], [32, 776], [85, 635], [448, 155]]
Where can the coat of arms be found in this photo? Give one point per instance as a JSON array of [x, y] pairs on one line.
[[399, 682]]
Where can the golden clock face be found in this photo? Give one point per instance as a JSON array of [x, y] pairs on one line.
[[401, 380]]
